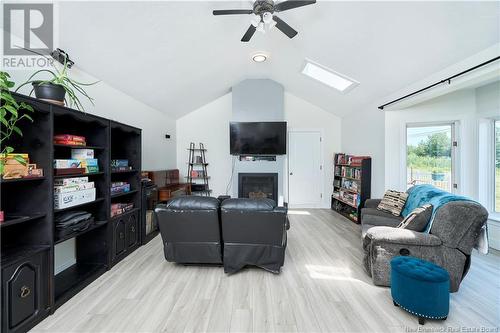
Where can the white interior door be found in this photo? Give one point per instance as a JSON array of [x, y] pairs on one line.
[[304, 169]]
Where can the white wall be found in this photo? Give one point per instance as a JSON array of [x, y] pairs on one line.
[[303, 115], [363, 134], [210, 125], [458, 106], [157, 152]]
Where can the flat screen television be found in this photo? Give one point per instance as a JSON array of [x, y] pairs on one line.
[[259, 138]]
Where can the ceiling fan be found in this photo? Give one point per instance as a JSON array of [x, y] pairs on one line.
[[263, 11]]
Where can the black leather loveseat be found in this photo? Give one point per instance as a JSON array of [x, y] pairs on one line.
[[237, 233], [190, 229], [254, 233]]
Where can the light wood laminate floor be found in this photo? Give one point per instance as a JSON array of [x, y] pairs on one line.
[[322, 287]]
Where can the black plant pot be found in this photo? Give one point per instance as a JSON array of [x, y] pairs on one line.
[[49, 92]]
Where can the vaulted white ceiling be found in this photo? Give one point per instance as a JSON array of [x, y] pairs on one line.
[[176, 56]]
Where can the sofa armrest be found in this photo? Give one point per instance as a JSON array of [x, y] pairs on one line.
[[378, 235], [161, 207], [284, 210], [372, 203]]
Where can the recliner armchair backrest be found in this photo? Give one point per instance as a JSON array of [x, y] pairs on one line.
[[190, 230], [189, 219], [458, 224], [253, 221]]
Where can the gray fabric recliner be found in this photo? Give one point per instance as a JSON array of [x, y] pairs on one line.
[[449, 244]]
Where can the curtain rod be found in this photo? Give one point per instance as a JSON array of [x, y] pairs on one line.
[[448, 80]]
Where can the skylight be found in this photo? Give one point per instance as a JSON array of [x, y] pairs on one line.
[[326, 76]]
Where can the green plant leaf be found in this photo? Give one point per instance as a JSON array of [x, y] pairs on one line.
[[27, 117], [34, 74], [17, 130], [11, 109], [20, 159], [8, 149], [5, 122], [26, 107]]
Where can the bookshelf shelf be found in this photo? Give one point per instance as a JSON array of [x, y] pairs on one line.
[[21, 219], [351, 185], [58, 145], [122, 194], [79, 175], [21, 180]]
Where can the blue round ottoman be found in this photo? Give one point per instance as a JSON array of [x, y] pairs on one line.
[[420, 287]]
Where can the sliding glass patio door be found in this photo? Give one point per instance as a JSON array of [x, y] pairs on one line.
[[430, 155]]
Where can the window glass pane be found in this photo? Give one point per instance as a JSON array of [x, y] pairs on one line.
[[497, 166], [429, 156]]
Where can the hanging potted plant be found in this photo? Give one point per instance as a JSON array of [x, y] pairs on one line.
[[60, 88], [11, 113]]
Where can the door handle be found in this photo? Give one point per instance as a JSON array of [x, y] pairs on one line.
[[291, 173], [25, 291]]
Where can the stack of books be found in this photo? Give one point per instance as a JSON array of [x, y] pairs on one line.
[[69, 192], [81, 159], [119, 187], [349, 159], [120, 208], [120, 165], [89, 165], [350, 172], [18, 166], [350, 198], [70, 140]]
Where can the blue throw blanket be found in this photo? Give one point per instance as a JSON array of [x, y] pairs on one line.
[[420, 195]]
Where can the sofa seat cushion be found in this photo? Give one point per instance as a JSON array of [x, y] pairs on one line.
[[242, 204], [193, 203], [377, 217]]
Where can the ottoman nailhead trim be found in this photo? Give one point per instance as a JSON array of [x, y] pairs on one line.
[[418, 314]]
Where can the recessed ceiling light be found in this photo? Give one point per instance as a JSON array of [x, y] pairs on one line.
[[331, 78], [259, 57]]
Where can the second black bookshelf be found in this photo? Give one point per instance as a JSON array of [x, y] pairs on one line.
[[351, 185]]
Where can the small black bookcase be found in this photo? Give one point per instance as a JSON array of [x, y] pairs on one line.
[[351, 185]]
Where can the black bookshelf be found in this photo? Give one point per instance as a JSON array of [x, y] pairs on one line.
[[125, 228], [28, 235], [351, 185]]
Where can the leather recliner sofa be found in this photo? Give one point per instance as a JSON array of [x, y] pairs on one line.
[[254, 233], [238, 232], [190, 229]]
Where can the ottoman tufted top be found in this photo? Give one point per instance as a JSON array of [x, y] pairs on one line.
[[419, 269]]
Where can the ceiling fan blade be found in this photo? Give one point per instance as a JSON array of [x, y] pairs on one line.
[[291, 4], [248, 35], [284, 27], [233, 12]]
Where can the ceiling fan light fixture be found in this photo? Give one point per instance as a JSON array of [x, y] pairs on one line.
[[261, 27], [259, 57], [272, 24], [267, 17], [256, 20]]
